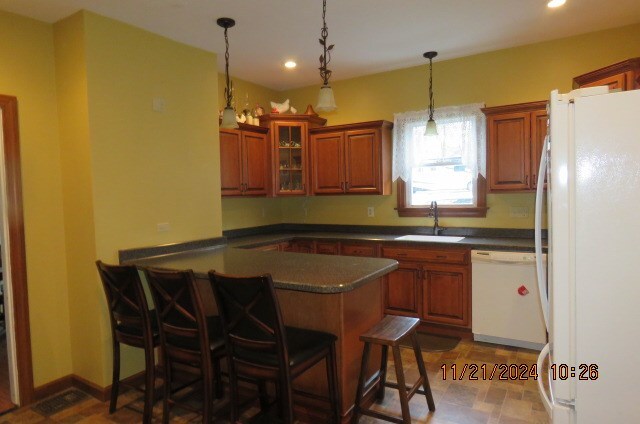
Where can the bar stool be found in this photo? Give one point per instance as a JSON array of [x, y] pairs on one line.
[[389, 332]]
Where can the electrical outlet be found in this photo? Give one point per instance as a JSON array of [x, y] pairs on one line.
[[163, 227], [519, 212], [371, 212]]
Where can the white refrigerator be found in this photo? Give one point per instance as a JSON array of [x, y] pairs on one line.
[[590, 291]]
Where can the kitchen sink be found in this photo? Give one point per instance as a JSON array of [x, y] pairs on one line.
[[443, 239]]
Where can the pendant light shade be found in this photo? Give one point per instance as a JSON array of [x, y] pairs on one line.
[[431, 127], [229, 118], [326, 101], [228, 115]]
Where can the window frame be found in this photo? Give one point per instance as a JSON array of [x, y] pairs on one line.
[[405, 210]]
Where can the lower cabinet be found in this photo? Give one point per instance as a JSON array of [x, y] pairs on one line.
[[401, 290], [302, 246], [284, 246], [327, 247], [431, 284], [445, 295]]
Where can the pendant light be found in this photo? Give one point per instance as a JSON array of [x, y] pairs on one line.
[[431, 129], [326, 102], [228, 115]]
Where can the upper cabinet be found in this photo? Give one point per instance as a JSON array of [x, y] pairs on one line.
[[289, 150], [351, 159], [244, 161], [622, 75], [515, 135]]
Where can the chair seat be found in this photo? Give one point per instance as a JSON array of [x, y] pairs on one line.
[[137, 331], [302, 345], [216, 339]]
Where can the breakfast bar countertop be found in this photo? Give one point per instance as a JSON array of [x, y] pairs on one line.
[[290, 271]]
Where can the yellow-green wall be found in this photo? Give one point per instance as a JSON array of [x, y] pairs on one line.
[[27, 72], [136, 166], [515, 75]]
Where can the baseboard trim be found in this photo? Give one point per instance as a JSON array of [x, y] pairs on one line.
[[52, 388], [103, 394]]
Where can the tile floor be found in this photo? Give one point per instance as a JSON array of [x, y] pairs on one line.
[[461, 401]]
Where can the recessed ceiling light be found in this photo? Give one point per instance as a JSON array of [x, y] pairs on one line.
[[290, 64], [556, 3]]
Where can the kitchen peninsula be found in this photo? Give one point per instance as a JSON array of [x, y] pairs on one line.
[[338, 294]]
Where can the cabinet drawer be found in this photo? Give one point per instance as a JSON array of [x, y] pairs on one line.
[[359, 250], [430, 255], [327, 248]]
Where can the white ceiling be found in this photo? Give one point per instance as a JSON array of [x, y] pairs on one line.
[[369, 35]]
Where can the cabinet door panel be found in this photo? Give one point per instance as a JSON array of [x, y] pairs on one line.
[[368, 250], [445, 295], [538, 133], [303, 246], [256, 169], [230, 163], [509, 154], [401, 290], [362, 160], [327, 248], [327, 152], [290, 158], [618, 81]]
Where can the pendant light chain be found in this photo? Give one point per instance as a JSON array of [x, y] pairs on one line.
[[227, 91], [325, 73], [431, 102]]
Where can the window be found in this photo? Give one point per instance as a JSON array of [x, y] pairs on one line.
[[448, 168]]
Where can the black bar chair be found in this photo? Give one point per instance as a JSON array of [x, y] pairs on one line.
[[261, 347], [132, 324], [189, 339]]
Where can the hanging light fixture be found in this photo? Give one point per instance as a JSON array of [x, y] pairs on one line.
[[326, 102], [228, 115], [431, 128]]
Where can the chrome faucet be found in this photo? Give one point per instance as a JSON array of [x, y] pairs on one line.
[[434, 213]]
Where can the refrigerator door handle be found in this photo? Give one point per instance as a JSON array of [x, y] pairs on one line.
[[542, 276], [547, 400]]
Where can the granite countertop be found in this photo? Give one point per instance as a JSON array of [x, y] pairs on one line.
[[311, 272], [482, 243], [291, 271]]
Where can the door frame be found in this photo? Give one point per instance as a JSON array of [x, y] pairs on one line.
[[16, 254]]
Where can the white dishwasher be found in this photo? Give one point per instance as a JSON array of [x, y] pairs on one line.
[[505, 302]]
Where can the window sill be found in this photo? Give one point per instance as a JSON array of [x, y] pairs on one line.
[[444, 211]]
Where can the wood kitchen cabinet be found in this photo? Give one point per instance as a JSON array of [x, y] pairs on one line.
[[402, 290], [432, 284], [289, 148], [515, 136], [244, 164], [351, 159], [327, 247], [445, 294], [623, 75], [303, 246], [369, 250]]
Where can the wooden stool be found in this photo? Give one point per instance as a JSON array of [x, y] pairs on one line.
[[389, 332]]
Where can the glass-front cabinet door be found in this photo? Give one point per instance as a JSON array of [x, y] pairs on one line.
[[291, 154]]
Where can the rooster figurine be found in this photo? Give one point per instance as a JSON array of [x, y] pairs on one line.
[[280, 107]]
